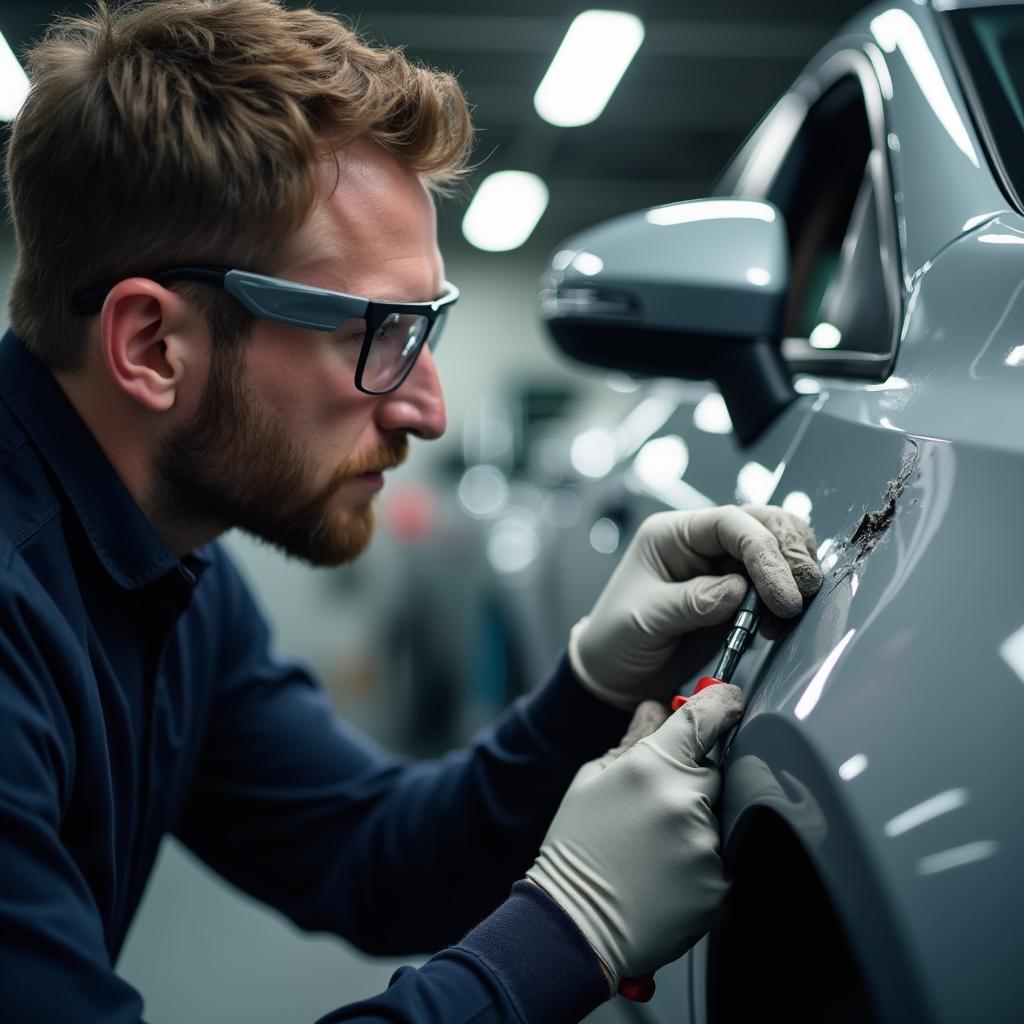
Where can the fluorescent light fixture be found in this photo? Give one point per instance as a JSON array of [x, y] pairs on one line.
[[758, 276], [13, 83], [710, 209], [592, 59], [505, 210]]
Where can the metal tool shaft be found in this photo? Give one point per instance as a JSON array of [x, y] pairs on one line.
[[743, 631]]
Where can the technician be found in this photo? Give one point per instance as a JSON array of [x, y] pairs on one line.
[[227, 290]]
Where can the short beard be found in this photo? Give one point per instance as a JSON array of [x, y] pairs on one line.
[[232, 465]]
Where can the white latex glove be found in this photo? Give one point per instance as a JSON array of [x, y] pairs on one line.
[[681, 575], [632, 853]]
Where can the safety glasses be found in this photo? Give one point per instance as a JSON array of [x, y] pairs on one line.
[[392, 333]]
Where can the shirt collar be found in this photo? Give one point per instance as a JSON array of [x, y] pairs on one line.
[[126, 543]]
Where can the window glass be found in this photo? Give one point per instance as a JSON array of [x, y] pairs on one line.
[[991, 43], [826, 189]]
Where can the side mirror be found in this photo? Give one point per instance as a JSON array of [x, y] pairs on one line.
[[695, 289]]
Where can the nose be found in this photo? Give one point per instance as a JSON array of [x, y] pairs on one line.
[[417, 407]]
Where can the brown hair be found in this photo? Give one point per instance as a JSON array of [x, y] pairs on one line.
[[190, 131]]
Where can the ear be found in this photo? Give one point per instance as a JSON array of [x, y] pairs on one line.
[[148, 334]]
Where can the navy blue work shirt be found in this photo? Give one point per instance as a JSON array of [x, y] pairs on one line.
[[139, 697]]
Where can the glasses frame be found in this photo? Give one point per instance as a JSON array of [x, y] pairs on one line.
[[301, 305]]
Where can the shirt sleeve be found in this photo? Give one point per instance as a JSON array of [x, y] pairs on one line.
[[54, 962], [527, 963], [397, 856]]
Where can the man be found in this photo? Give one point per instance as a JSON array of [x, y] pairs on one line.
[[227, 290]]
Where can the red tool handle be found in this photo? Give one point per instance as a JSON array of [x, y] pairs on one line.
[[702, 683], [640, 990]]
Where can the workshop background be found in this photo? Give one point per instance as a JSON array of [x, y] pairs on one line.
[[698, 84]]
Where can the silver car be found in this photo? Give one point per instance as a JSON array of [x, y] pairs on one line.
[[855, 290]]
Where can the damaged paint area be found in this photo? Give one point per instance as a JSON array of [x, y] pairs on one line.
[[874, 524]]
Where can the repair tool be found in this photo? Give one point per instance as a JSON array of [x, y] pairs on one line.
[[640, 990], [742, 632]]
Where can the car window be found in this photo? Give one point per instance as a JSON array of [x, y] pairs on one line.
[[854, 300], [988, 45], [829, 186]]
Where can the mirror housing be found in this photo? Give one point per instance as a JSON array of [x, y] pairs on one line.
[[695, 289]]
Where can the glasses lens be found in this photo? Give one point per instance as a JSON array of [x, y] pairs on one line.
[[439, 326], [393, 350]]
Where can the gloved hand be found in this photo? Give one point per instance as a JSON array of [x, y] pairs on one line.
[[632, 852], [679, 575]]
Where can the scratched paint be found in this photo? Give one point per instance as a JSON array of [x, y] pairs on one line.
[[874, 524]]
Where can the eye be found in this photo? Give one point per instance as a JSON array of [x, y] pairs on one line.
[[351, 332]]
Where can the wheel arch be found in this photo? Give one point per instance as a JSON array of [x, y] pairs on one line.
[[810, 909]]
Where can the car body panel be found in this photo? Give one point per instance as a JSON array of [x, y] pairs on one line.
[[942, 184], [887, 727]]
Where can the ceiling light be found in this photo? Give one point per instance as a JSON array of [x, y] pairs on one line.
[[505, 210], [594, 55], [13, 83]]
